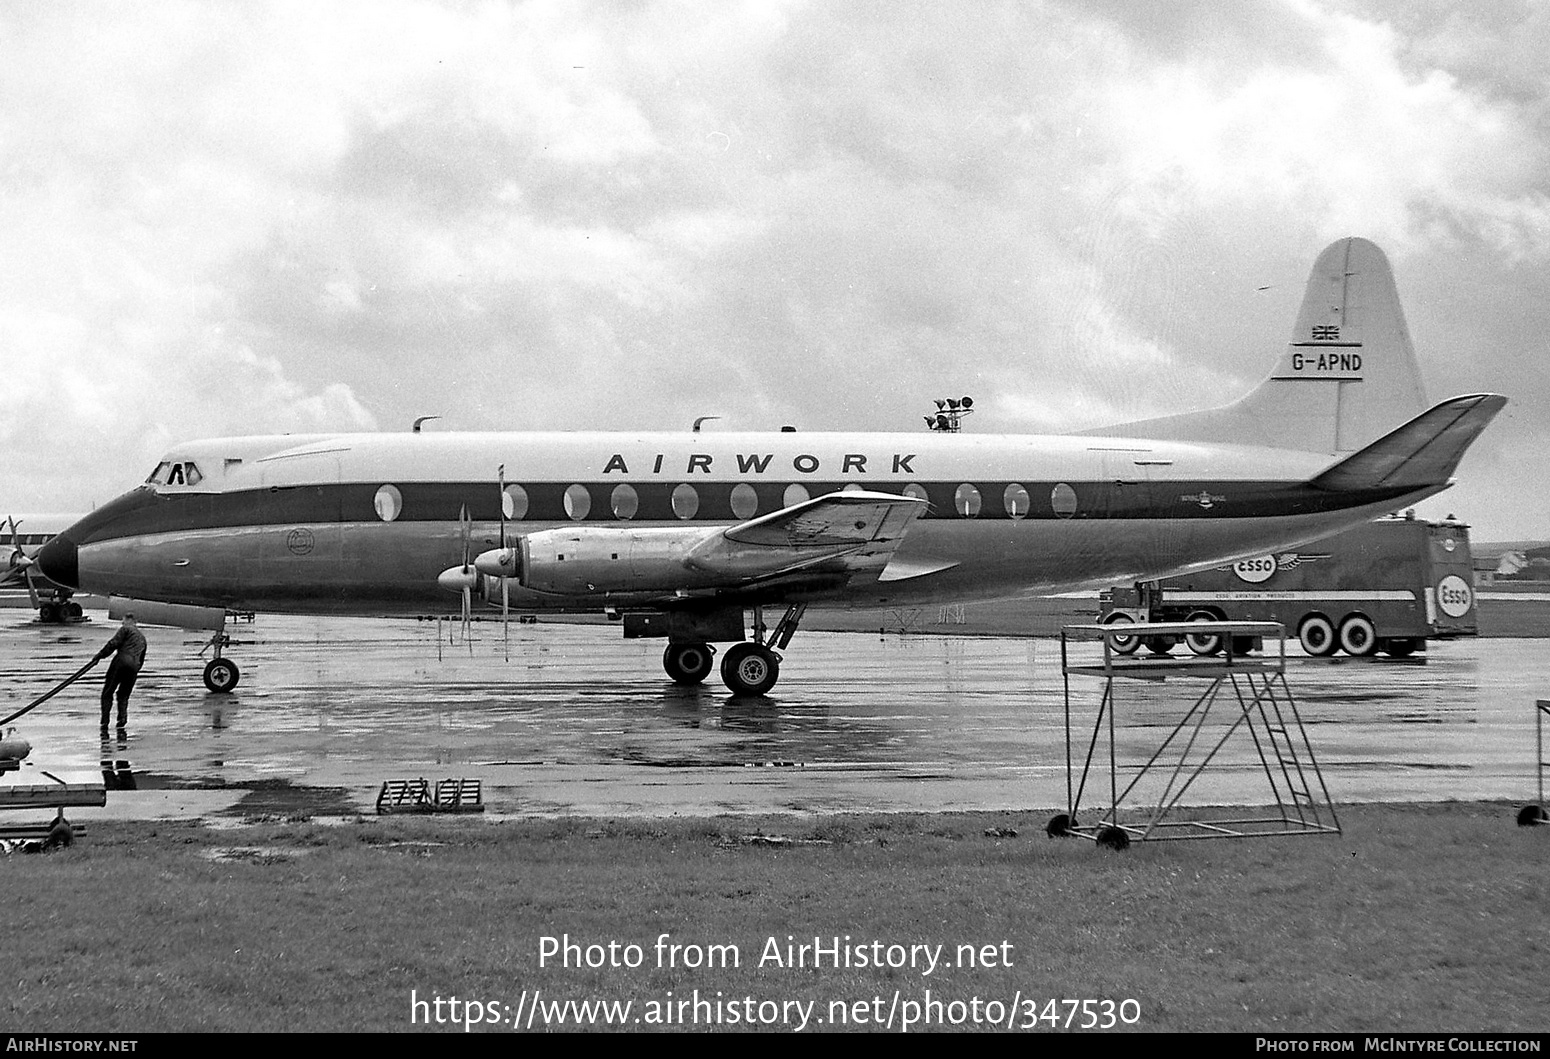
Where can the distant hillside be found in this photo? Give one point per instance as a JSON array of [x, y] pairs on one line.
[[1496, 549]]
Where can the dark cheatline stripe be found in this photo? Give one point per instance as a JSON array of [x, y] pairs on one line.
[[142, 512]]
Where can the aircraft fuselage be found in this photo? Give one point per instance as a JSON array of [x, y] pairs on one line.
[[365, 523]]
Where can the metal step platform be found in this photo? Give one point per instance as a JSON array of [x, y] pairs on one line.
[[1245, 701], [417, 796]]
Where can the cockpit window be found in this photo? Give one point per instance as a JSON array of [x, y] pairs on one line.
[[184, 473]]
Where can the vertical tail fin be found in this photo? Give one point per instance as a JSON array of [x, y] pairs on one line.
[[1348, 377]]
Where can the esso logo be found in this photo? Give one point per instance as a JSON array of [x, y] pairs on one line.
[[1454, 596], [1255, 570]]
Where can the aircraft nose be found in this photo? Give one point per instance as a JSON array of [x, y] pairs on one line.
[[59, 561]]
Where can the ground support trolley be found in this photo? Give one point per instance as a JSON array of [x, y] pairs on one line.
[[1251, 702], [1531, 815], [51, 792]]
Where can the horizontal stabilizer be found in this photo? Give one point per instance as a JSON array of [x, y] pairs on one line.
[[1424, 452]]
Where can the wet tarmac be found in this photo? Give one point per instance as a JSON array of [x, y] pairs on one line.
[[579, 721]]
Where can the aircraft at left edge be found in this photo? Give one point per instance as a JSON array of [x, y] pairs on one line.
[[22, 536], [684, 535]]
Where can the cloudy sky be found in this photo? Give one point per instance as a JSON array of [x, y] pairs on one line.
[[226, 218]]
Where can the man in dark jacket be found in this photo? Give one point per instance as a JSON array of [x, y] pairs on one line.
[[129, 642]]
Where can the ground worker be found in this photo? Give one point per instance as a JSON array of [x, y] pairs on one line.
[[129, 642]]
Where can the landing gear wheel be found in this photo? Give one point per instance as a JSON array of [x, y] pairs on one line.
[[1160, 645], [1113, 838], [750, 669], [1204, 644], [1532, 816], [1122, 645], [1401, 647], [688, 663], [221, 675], [1317, 635], [1358, 636], [71, 611], [48, 614], [1059, 826]]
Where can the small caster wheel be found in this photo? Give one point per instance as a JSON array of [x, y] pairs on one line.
[[1059, 826], [1113, 838]]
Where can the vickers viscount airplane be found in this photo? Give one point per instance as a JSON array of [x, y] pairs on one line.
[[684, 534]]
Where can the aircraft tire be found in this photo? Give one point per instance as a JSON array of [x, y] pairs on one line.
[[1059, 826], [1316, 633], [48, 614], [221, 675], [1205, 644], [72, 611], [1358, 636], [1160, 645], [1401, 646], [1532, 816], [688, 663], [750, 669], [1122, 645]]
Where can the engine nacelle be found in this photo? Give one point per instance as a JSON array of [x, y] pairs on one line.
[[587, 560]]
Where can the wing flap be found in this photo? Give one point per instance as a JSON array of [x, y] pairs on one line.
[[837, 532], [831, 520]]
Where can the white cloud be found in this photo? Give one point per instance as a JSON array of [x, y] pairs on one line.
[[295, 216]]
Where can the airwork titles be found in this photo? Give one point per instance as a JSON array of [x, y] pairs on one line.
[[762, 463]]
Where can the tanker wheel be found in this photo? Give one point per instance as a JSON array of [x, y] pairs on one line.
[[1204, 644], [1317, 635], [1122, 645], [1358, 636]]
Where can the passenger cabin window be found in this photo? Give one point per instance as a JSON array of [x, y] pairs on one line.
[[624, 501], [967, 500], [514, 502], [1016, 500], [795, 494], [745, 500], [389, 503], [686, 502], [578, 502]]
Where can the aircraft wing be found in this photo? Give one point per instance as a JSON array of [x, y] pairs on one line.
[[851, 532]]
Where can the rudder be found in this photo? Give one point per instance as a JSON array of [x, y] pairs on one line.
[[1348, 376]]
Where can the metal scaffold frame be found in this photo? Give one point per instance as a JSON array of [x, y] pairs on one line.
[[1265, 709], [1534, 815]]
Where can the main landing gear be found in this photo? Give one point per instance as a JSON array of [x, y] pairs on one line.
[[746, 668]]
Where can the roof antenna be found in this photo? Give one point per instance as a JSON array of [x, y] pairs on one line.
[[421, 420], [702, 419]]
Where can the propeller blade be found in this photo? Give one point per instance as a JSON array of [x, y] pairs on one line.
[[500, 475], [467, 531]]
